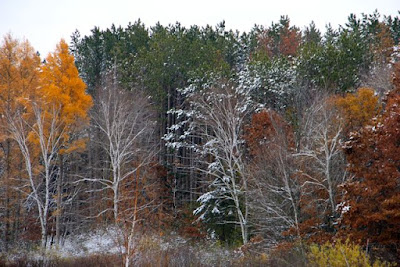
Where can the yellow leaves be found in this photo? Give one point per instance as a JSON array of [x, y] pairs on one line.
[[19, 67], [76, 146], [359, 108], [49, 98], [61, 85], [341, 254]]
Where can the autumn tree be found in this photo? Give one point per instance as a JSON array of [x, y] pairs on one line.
[[274, 190], [126, 126], [383, 43], [43, 129], [371, 207], [280, 39], [19, 73], [321, 167], [358, 109], [62, 87], [341, 254]]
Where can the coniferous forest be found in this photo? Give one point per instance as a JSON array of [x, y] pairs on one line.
[[168, 145]]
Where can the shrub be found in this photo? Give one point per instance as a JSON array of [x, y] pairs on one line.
[[342, 254]]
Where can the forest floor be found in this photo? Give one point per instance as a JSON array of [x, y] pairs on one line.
[[104, 248]]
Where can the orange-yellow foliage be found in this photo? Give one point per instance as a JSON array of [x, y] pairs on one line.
[[62, 89], [62, 86], [342, 254], [19, 80], [358, 109], [19, 70]]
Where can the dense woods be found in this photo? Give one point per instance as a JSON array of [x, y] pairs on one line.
[[279, 141]]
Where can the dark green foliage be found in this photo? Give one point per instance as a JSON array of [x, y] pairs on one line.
[[97, 53], [335, 63], [277, 78], [156, 60], [220, 217], [227, 233], [312, 34], [89, 57], [174, 56], [394, 25]]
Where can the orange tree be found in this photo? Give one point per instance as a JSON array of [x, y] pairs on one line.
[[61, 87], [66, 104], [280, 39], [371, 211], [19, 71], [359, 108], [43, 127]]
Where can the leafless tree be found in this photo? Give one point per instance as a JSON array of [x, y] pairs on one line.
[[126, 125], [274, 188], [379, 78], [218, 115], [43, 130], [322, 164]]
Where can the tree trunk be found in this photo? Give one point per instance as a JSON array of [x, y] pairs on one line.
[[7, 198], [59, 208], [44, 235]]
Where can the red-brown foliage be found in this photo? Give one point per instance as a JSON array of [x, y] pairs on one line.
[[373, 195], [264, 132], [284, 41]]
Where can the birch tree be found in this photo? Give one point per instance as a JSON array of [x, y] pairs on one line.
[[39, 139], [274, 188], [126, 126], [64, 100], [321, 162], [42, 126], [216, 116]]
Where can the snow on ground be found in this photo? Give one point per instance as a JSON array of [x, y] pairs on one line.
[[99, 241], [105, 241]]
